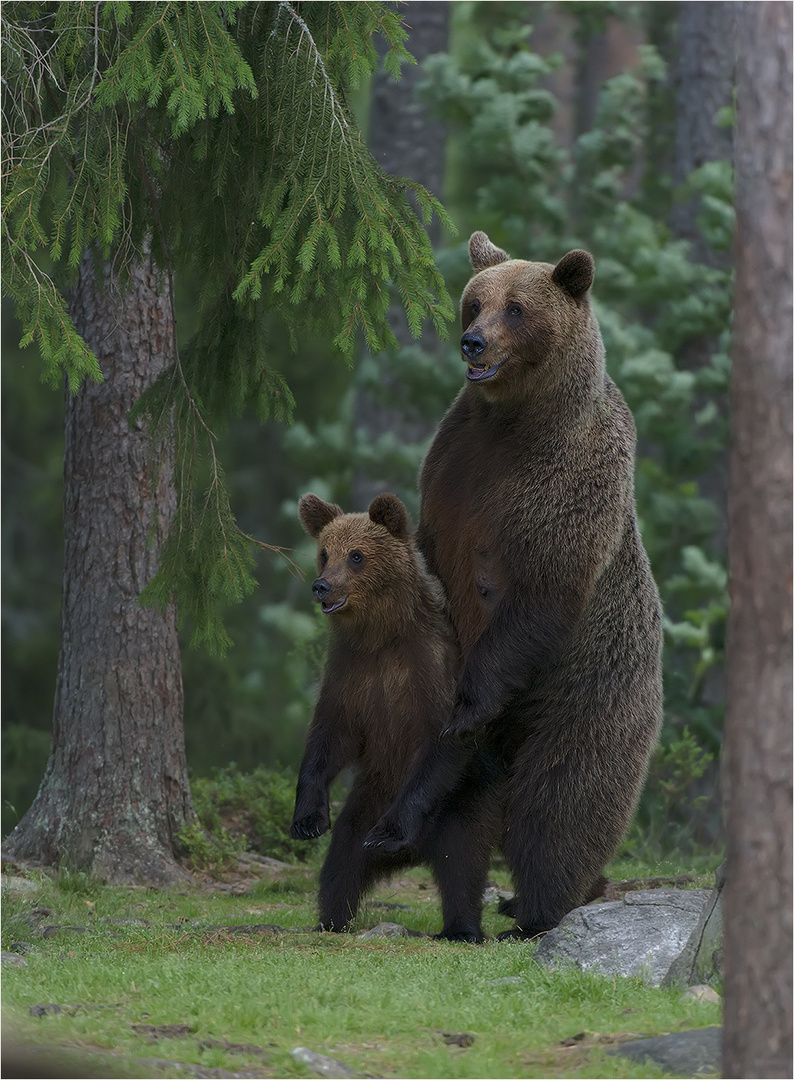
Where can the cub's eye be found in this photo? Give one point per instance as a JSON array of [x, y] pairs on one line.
[[356, 558], [515, 310], [323, 557]]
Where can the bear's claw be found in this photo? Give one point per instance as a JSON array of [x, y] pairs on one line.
[[382, 839], [309, 827]]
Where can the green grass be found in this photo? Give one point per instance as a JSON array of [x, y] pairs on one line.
[[380, 1006]]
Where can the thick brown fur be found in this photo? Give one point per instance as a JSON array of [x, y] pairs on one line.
[[528, 519], [389, 683]]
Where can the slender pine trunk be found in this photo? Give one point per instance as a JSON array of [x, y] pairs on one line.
[[758, 731], [115, 793]]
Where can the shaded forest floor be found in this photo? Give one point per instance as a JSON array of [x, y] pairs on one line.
[[226, 978]]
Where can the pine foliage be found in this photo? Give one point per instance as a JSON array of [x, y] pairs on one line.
[[220, 134]]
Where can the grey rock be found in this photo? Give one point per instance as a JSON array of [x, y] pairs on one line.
[[388, 930], [14, 959], [691, 1053], [322, 1065], [19, 886], [701, 992], [493, 895], [640, 935], [700, 961]]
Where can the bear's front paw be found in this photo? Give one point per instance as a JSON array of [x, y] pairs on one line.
[[310, 825], [385, 838], [465, 719]]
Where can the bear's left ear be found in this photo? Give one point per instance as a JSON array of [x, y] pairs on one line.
[[315, 514], [483, 253], [574, 273], [388, 511]]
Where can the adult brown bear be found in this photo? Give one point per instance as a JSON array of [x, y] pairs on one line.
[[528, 519], [389, 684]]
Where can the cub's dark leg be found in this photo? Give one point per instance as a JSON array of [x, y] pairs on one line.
[[349, 871]]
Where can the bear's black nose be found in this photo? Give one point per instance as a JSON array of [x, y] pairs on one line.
[[472, 345], [321, 588]]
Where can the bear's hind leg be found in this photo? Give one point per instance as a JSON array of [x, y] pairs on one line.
[[459, 850], [349, 871]]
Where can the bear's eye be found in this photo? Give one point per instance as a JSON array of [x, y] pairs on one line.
[[356, 558], [474, 309], [323, 557], [515, 311]]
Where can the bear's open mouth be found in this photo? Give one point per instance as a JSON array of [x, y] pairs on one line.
[[478, 372], [328, 608]]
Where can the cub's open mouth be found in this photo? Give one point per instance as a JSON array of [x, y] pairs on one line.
[[477, 373], [328, 607]]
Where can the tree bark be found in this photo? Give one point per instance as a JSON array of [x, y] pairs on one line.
[[704, 80], [758, 731], [115, 792]]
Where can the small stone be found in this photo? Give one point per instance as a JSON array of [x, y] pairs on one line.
[[385, 930], [701, 992], [495, 895], [322, 1065], [14, 959], [19, 886]]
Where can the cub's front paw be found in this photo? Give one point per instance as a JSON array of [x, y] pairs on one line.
[[385, 838], [310, 825]]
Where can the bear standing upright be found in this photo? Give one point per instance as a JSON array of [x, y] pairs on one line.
[[389, 683], [528, 519]]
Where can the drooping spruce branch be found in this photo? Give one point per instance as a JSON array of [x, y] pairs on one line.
[[220, 135]]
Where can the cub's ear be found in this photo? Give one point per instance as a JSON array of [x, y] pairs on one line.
[[315, 514], [483, 253], [388, 511], [574, 273]]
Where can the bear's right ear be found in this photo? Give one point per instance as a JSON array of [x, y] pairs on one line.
[[315, 514], [483, 253], [388, 511]]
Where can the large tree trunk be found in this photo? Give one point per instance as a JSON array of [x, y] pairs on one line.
[[758, 731], [115, 793]]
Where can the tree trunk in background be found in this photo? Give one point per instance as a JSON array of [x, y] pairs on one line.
[[758, 742], [406, 141], [115, 793], [704, 69]]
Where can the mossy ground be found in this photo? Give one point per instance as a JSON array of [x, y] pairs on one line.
[[170, 975]]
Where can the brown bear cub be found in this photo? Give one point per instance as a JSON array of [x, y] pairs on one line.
[[528, 519], [389, 683]]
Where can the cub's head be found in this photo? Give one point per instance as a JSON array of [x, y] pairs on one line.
[[527, 326], [364, 561]]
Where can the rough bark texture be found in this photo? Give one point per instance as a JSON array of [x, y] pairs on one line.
[[405, 141], [758, 743], [704, 78], [115, 792]]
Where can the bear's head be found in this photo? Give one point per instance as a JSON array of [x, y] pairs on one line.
[[365, 562], [528, 327]]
